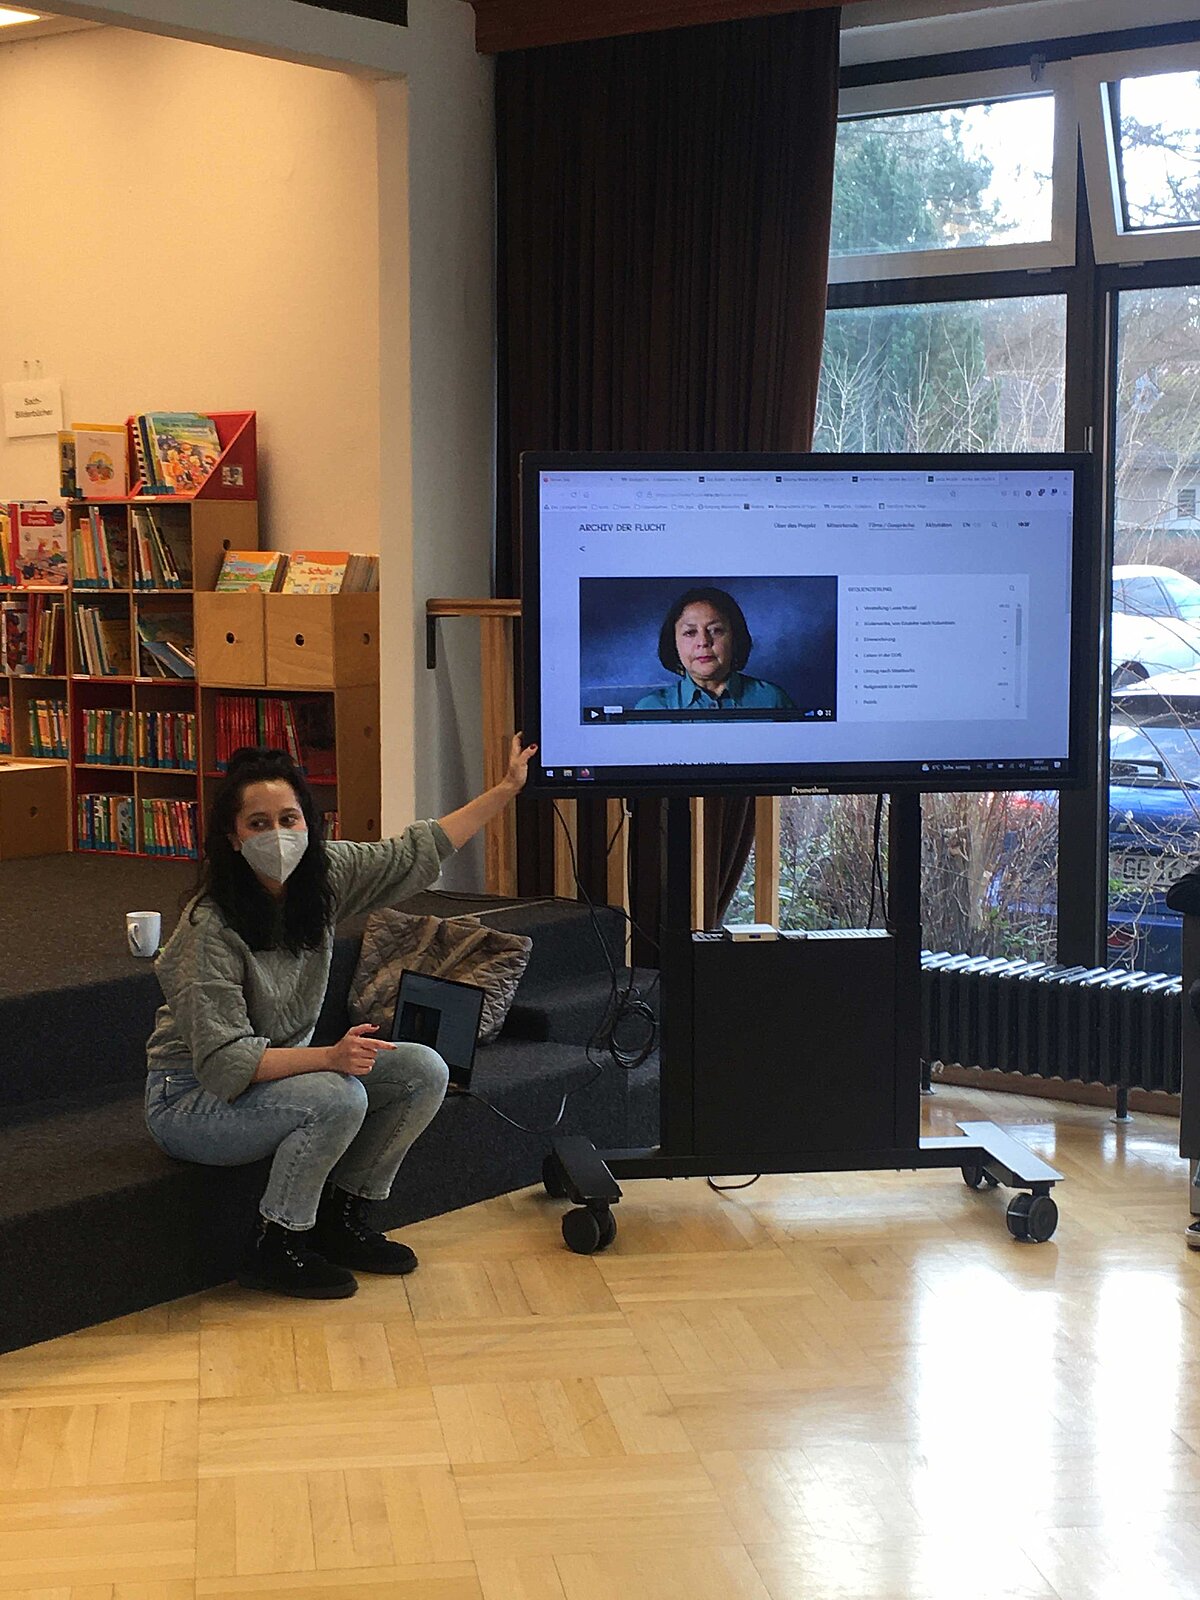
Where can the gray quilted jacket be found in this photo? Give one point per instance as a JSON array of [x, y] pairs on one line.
[[226, 1003]]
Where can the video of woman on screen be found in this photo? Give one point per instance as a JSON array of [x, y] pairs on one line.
[[671, 649]]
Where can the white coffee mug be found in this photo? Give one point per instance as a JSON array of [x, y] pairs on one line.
[[143, 929]]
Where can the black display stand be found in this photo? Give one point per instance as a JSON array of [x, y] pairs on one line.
[[793, 1055]]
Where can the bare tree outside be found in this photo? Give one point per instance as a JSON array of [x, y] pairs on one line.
[[1158, 145]]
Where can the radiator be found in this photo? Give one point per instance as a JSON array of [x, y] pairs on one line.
[[1094, 1024]]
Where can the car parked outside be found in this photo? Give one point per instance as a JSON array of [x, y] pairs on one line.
[[1154, 814], [1153, 821], [1155, 623]]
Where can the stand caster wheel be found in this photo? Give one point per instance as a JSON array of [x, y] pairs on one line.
[[1032, 1217], [553, 1179], [588, 1231], [978, 1178]]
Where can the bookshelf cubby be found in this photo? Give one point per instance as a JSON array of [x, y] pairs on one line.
[[336, 735], [139, 746]]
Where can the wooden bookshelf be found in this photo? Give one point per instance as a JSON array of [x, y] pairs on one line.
[[324, 663]]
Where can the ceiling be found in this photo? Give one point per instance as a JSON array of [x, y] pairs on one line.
[[45, 24], [890, 30]]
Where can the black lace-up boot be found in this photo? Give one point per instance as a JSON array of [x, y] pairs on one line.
[[284, 1262], [342, 1235]]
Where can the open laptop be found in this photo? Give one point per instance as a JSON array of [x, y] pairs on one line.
[[443, 1014]]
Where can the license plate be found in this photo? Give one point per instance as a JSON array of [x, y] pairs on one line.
[[1136, 869]]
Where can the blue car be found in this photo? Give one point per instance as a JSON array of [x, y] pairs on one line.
[[1154, 815], [1153, 822]]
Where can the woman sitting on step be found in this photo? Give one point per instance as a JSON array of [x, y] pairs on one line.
[[232, 1075]]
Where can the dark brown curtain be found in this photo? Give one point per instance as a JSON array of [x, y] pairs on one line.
[[664, 205]]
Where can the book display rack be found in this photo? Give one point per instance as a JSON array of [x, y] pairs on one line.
[[140, 683]]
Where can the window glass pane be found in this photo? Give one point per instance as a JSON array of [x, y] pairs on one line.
[[988, 870], [967, 375], [942, 179], [1154, 736], [1158, 138], [825, 854]]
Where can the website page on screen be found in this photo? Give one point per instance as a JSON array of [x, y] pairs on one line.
[[824, 619]]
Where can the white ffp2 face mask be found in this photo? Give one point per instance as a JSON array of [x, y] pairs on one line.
[[275, 852]]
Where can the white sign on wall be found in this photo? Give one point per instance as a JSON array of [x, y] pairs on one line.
[[31, 406]]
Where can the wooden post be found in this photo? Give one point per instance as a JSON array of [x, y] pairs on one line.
[[499, 716], [698, 863], [766, 859], [617, 884], [500, 835], [564, 874]]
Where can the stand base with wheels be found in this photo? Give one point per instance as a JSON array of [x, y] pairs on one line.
[[800, 1054], [986, 1155]]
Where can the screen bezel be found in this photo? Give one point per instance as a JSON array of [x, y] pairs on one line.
[[812, 777]]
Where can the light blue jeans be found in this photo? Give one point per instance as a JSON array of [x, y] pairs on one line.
[[318, 1126]]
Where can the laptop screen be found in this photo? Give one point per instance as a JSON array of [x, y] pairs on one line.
[[443, 1014]]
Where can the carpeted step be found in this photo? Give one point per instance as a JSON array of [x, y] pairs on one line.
[[82, 1036], [96, 1222], [572, 1011], [569, 941]]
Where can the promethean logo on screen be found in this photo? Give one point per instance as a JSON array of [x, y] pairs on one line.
[[804, 627]]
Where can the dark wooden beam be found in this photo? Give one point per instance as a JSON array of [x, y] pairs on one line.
[[395, 11], [518, 24]]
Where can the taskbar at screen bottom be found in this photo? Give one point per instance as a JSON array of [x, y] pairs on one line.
[[1035, 772]]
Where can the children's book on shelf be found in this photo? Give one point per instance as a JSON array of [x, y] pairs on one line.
[[68, 484], [102, 643], [14, 636], [46, 635], [243, 570], [105, 822], [108, 736], [38, 542], [161, 550], [8, 574], [48, 729], [303, 727], [167, 641], [99, 550], [179, 450], [316, 571], [170, 827], [166, 740], [101, 460], [330, 572]]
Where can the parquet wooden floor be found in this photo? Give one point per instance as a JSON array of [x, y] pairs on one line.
[[847, 1387]]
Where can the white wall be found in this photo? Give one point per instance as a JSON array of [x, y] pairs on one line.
[[424, 281], [190, 229]]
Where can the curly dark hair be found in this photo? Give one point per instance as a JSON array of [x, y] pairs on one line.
[[227, 880], [721, 601]]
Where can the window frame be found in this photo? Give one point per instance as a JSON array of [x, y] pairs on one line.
[[965, 89], [1112, 242], [1092, 274]]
